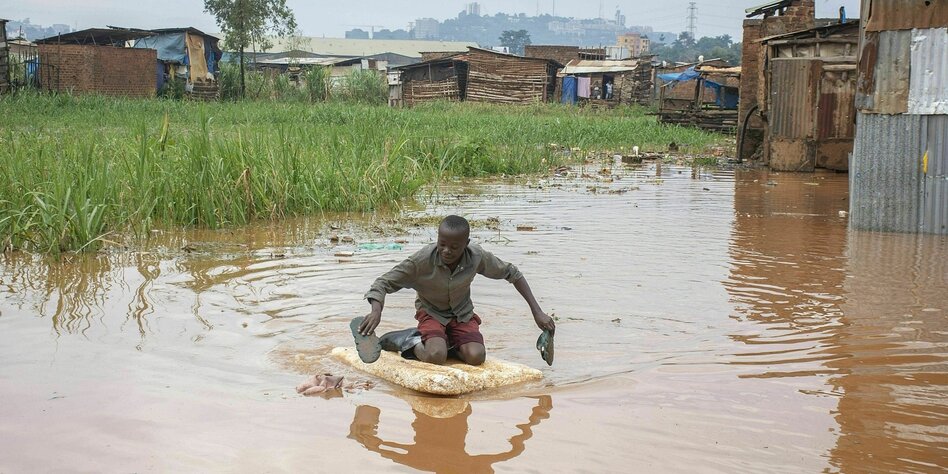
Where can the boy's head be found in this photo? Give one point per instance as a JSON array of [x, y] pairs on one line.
[[453, 236]]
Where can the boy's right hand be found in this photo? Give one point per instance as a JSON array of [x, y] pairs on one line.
[[370, 322]]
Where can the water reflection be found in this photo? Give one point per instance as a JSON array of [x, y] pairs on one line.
[[862, 314], [787, 270], [893, 413], [440, 438]]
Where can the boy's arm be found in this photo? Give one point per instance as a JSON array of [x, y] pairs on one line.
[[401, 276], [497, 269], [543, 321]]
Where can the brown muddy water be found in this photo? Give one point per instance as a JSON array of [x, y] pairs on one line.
[[708, 321]]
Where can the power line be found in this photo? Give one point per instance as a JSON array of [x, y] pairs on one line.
[[692, 17]]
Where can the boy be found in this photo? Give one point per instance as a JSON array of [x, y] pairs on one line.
[[441, 273]]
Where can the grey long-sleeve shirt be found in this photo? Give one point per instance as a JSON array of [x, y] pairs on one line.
[[442, 293]]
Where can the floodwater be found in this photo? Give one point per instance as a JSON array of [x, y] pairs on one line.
[[712, 321]]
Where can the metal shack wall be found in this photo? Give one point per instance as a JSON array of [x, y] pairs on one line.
[[899, 169], [792, 102]]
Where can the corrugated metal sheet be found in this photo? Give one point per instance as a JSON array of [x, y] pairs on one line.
[[884, 73], [928, 84], [836, 111], [893, 187], [792, 98], [906, 14]]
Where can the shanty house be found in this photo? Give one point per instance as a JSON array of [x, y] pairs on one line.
[[609, 82], [702, 95], [437, 79], [95, 61], [898, 178], [806, 101], [187, 54], [507, 79]]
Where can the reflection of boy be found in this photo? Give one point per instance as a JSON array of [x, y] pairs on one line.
[[441, 274], [440, 442]]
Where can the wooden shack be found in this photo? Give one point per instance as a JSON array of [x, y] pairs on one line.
[[808, 97], [608, 82], [702, 96], [437, 79], [507, 79]]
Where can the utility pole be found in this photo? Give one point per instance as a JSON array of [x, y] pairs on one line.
[[692, 17]]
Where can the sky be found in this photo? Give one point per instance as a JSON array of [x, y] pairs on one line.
[[333, 18]]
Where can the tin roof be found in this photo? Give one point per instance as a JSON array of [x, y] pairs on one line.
[[96, 36], [589, 66]]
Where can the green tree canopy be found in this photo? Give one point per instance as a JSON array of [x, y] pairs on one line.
[[515, 40], [247, 23]]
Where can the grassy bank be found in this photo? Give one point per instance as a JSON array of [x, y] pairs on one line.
[[77, 171]]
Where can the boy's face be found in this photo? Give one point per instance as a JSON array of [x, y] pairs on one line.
[[451, 245]]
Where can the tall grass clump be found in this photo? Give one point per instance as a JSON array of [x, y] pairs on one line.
[[363, 87], [77, 172]]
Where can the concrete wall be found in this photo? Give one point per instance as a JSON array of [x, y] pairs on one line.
[[107, 70]]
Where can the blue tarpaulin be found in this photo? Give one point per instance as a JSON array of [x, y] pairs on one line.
[[172, 47], [686, 75], [569, 90], [725, 97]]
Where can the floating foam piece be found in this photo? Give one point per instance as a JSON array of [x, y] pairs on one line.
[[453, 378]]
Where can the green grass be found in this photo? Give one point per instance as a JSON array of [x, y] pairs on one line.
[[76, 172]]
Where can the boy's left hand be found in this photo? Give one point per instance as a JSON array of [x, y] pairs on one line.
[[544, 322]]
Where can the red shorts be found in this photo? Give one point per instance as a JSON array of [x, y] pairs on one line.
[[455, 333]]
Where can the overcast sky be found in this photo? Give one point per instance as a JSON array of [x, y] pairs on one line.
[[333, 18]]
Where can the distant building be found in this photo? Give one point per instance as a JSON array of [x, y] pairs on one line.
[[357, 33], [386, 34], [366, 47], [473, 9], [426, 28], [635, 43]]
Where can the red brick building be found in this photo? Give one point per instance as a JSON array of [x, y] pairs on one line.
[[96, 61]]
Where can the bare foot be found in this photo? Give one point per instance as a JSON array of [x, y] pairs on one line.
[[319, 384]]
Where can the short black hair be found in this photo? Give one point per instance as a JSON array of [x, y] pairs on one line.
[[456, 224]]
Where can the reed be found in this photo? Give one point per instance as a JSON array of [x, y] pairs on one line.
[[77, 172]]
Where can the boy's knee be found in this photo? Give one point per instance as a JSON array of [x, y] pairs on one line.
[[473, 354], [437, 356]]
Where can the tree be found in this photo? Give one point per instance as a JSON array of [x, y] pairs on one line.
[[515, 40], [247, 22]]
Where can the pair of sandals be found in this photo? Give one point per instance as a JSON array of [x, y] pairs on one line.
[[370, 347]]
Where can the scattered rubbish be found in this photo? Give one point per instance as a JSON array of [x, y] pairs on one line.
[[566, 228], [635, 151], [347, 239], [617, 320], [378, 246], [843, 213], [812, 184], [189, 248], [277, 255], [532, 252], [334, 227], [525, 228], [672, 146], [771, 183], [344, 253], [401, 241], [334, 238], [705, 189]]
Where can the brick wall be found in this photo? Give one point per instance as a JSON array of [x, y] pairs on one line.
[[560, 54], [106, 70]]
